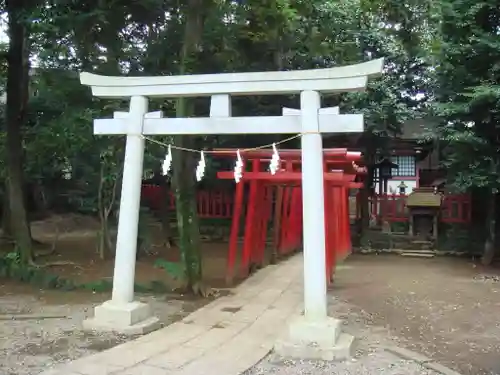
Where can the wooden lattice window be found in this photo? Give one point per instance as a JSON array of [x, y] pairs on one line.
[[407, 166]]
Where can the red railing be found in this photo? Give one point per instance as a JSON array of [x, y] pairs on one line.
[[455, 208], [211, 204], [392, 206]]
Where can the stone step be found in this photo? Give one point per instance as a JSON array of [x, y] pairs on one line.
[[418, 253]]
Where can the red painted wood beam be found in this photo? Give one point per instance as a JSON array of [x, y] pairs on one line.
[[278, 177], [285, 154], [328, 154], [287, 176], [290, 165], [299, 161]]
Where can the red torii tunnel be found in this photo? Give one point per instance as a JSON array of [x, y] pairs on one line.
[[277, 199]]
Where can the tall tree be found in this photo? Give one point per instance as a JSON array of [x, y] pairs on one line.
[[468, 94], [17, 95], [195, 12], [399, 33]]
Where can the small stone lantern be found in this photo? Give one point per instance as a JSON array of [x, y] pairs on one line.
[[402, 188], [385, 168]]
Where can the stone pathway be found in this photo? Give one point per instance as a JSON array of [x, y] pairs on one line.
[[227, 336], [234, 333]]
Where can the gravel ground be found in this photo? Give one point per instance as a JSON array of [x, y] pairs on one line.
[[376, 363], [29, 346], [445, 308], [370, 357]]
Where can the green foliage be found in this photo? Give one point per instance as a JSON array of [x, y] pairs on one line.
[[457, 238], [260, 35], [98, 286], [399, 33], [175, 270], [12, 268], [147, 38], [468, 92]]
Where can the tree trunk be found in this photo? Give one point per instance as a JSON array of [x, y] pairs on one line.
[[164, 213], [492, 225], [6, 229], [183, 163], [187, 215], [489, 245], [102, 247], [364, 195], [17, 91]]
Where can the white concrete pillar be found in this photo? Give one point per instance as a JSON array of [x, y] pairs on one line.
[[130, 202], [122, 314], [313, 201], [314, 335]]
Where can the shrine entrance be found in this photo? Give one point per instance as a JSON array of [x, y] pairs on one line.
[[314, 329], [273, 208]]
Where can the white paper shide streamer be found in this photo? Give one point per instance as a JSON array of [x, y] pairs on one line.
[[200, 169], [238, 167], [167, 163], [275, 161]]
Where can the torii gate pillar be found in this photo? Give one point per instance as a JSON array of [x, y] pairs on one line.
[[313, 334]]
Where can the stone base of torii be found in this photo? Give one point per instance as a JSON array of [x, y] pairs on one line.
[[311, 335], [132, 318]]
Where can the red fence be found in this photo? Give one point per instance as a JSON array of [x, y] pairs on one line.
[[219, 205], [455, 208], [211, 204]]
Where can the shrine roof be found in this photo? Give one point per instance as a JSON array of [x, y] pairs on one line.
[[424, 197]]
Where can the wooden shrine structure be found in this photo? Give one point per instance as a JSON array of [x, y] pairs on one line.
[[277, 199]]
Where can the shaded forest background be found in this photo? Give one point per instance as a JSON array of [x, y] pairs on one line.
[[442, 60]]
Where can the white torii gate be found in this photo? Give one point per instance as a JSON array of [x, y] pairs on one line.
[[125, 315]]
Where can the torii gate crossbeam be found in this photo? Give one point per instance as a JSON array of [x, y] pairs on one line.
[[122, 313]]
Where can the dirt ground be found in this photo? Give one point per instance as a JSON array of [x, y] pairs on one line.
[[29, 344], [445, 308], [77, 244]]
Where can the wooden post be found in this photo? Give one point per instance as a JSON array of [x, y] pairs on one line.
[[250, 223], [278, 212], [233, 237]]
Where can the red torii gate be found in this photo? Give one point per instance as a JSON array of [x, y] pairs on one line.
[[340, 172]]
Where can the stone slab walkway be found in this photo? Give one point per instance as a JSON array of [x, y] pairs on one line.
[[234, 334], [226, 337]]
